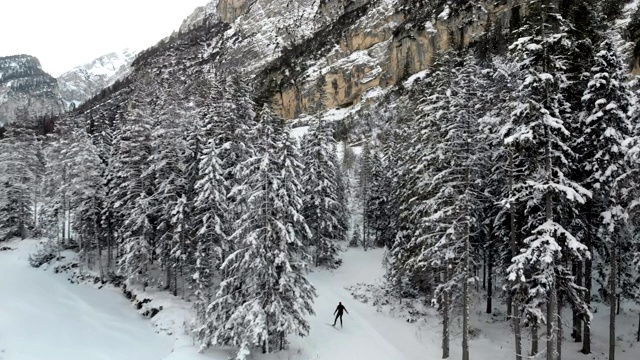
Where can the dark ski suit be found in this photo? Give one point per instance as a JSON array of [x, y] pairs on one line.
[[339, 310]]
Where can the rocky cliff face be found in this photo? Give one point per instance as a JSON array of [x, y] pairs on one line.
[[297, 50], [26, 90], [311, 55], [382, 43], [84, 81]]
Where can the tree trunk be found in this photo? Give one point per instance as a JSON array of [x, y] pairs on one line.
[[577, 320], [445, 316], [109, 244], [559, 328], [551, 319], [35, 204], [512, 303], [64, 219], [613, 289], [489, 281], [534, 338], [365, 225], [95, 238], [167, 286], [586, 335], [465, 294], [281, 340], [484, 268], [517, 331]]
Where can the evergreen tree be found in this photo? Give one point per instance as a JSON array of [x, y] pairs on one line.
[[132, 190], [22, 166], [606, 128], [539, 140], [264, 293], [323, 209], [364, 190]]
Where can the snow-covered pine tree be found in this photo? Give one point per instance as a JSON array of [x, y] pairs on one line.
[[264, 293], [606, 128], [211, 207], [233, 118], [132, 190], [322, 208], [415, 162], [588, 24], [21, 166], [169, 162], [342, 198], [503, 215], [356, 238], [539, 139], [380, 205], [364, 191], [453, 192], [87, 192]]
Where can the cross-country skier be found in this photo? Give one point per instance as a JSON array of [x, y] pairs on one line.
[[339, 310]]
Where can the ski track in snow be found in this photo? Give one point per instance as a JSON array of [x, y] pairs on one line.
[[366, 334]]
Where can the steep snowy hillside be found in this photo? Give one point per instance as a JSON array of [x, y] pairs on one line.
[[84, 81], [26, 89]]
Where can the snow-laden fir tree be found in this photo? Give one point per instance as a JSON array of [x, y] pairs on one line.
[[77, 155], [539, 140], [132, 190], [356, 237], [606, 128], [364, 191], [380, 206], [22, 167], [414, 163], [453, 192], [323, 209], [502, 214], [171, 165], [211, 207], [264, 294]]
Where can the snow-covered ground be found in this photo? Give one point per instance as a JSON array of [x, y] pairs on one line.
[[367, 333], [45, 317]]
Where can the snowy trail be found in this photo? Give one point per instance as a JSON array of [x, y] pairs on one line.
[[46, 317], [356, 335], [366, 334]]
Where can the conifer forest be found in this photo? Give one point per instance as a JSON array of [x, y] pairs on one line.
[[504, 180]]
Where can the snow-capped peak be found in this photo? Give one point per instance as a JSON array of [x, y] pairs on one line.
[[84, 81]]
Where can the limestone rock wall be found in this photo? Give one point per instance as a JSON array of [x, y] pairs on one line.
[[382, 49]]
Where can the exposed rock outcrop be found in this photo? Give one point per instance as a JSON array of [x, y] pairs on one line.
[[382, 47], [295, 51], [26, 90]]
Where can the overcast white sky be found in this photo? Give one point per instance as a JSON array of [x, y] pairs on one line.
[[65, 33]]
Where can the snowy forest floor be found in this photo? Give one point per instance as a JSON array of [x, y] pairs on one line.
[[43, 315]]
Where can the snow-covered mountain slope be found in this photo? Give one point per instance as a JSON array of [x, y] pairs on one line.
[[26, 89], [84, 81]]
